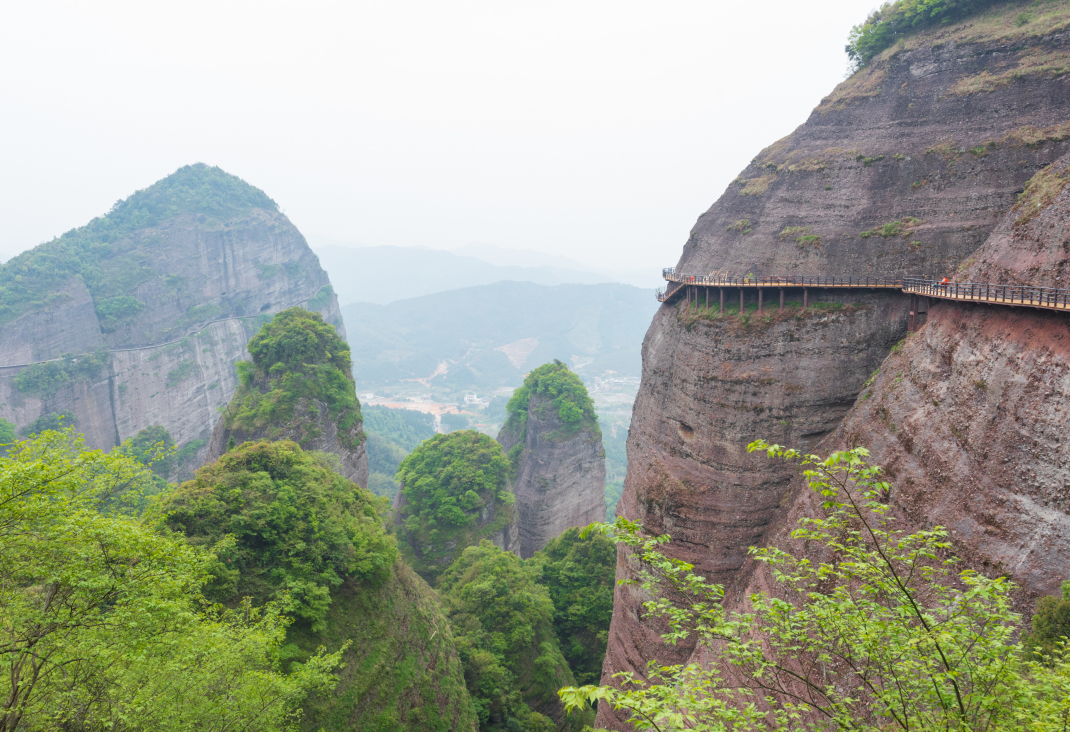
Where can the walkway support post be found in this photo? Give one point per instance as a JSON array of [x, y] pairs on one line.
[[722, 299], [806, 294], [781, 298], [741, 291], [913, 310], [760, 290]]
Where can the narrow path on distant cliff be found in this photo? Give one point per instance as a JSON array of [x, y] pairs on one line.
[[196, 330], [1047, 298]]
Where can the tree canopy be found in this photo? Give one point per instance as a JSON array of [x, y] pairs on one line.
[[555, 384], [578, 569], [104, 626], [300, 529], [297, 357], [446, 482], [503, 624], [894, 20]]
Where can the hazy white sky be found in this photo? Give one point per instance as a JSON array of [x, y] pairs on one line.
[[595, 130]]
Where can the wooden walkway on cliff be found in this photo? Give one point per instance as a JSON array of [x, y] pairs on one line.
[[1045, 298]]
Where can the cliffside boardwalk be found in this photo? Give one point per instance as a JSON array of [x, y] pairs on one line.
[[1046, 298]]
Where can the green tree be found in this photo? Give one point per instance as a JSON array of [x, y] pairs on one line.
[[50, 421], [1050, 625], [153, 447], [103, 627], [881, 633], [562, 388], [8, 435], [579, 571], [300, 528], [502, 622], [448, 483], [895, 20], [406, 428], [297, 359]]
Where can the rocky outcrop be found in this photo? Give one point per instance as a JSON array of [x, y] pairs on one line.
[[904, 170], [560, 475], [313, 428], [205, 284]]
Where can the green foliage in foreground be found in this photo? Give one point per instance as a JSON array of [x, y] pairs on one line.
[[502, 621], [50, 421], [895, 20], [877, 637], [300, 529], [103, 626], [297, 358], [446, 483], [43, 380], [32, 279], [8, 434], [579, 571], [384, 457]]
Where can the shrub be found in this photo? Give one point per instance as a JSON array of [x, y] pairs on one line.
[[555, 384], [43, 380], [896, 20], [116, 311], [300, 529], [104, 624]]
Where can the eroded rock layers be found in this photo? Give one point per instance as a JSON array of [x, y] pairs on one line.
[[905, 169]]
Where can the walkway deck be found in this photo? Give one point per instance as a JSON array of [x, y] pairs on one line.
[[1045, 298]]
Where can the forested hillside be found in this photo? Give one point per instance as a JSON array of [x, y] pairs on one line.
[[489, 336]]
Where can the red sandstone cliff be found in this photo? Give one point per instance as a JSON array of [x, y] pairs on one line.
[[938, 135]]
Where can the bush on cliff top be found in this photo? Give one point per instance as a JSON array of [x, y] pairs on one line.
[[502, 622], [296, 357], [893, 21], [300, 528], [30, 280], [554, 382], [447, 482]]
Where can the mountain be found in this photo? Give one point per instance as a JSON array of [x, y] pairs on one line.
[[385, 274], [138, 318], [907, 168], [491, 335], [553, 439]]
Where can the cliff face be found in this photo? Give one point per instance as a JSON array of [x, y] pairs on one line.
[[170, 293], [560, 480], [904, 170]]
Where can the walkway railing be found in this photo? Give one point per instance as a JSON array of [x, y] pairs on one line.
[[1049, 298]]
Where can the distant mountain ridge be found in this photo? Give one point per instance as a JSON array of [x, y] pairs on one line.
[[489, 336], [386, 274]]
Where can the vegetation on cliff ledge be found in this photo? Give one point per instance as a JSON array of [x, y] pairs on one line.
[[892, 21], [299, 528], [106, 258], [297, 359], [449, 484]]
